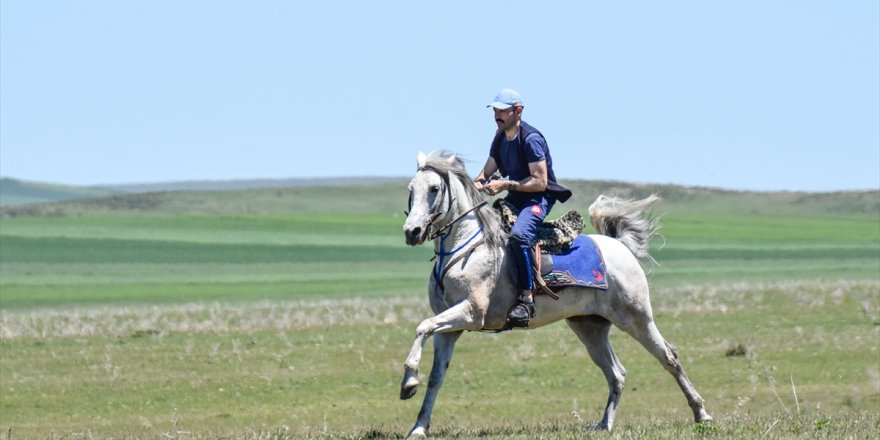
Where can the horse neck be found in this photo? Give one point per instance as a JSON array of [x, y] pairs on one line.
[[465, 228]]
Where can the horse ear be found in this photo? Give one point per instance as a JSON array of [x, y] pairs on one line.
[[452, 158], [423, 159]]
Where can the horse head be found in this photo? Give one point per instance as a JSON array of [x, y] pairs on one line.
[[430, 197], [441, 194]]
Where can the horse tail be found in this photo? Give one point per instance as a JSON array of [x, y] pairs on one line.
[[627, 220]]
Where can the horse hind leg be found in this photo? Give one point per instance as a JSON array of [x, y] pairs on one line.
[[650, 338], [593, 333]]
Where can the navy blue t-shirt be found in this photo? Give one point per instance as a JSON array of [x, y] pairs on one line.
[[513, 159], [516, 162]]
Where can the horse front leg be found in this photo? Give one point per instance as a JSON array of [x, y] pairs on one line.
[[456, 318], [444, 345]]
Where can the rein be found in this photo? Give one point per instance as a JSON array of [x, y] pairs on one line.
[[440, 269], [455, 220]]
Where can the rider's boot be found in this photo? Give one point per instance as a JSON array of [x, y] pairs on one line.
[[523, 311]]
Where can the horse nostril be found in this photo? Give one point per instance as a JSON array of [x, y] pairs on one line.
[[416, 233]]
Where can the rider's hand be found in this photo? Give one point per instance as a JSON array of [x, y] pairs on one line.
[[496, 186]]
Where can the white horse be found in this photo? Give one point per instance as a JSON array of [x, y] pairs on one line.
[[471, 289]]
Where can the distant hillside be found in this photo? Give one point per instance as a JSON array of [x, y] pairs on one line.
[[678, 198], [389, 196], [17, 192], [226, 185]]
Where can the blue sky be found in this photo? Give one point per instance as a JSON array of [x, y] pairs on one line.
[[781, 95]]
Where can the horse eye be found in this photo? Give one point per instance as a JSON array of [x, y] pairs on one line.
[[435, 188]]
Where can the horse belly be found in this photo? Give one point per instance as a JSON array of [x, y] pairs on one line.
[[573, 301]]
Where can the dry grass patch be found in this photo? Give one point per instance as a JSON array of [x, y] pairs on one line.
[[116, 321]]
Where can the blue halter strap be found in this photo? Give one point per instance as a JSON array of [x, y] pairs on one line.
[[441, 256]]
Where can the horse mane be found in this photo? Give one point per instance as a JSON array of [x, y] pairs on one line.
[[453, 166]]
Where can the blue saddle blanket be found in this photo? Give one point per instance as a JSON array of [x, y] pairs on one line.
[[581, 265]]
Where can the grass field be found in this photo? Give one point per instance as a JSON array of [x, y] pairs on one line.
[[278, 314]]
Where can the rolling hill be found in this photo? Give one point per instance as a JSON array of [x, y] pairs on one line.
[[387, 195], [18, 192]]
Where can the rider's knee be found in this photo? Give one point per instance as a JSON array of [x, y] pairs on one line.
[[519, 240]]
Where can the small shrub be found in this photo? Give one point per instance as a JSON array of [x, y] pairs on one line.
[[704, 428], [143, 333], [739, 350]]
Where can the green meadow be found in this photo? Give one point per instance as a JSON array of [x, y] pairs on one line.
[[287, 313]]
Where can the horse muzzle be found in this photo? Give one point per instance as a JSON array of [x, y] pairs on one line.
[[414, 236]]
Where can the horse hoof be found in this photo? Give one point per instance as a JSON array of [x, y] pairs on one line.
[[409, 388], [407, 393], [703, 417], [417, 433]]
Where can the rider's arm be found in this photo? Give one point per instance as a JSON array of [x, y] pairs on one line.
[[488, 169], [536, 182]]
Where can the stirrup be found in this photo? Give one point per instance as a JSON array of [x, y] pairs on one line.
[[529, 303], [523, 307]]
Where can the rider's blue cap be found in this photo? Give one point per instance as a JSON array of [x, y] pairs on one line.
[[506, 98]]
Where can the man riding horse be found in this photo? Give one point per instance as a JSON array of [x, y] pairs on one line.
[[520, 152]]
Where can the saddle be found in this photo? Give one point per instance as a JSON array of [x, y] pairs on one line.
[[553, 237]]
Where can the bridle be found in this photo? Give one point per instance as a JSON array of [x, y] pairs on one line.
[[434, 212], [440, 269]]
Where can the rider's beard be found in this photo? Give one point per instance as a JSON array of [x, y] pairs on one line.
[[505, 125]]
